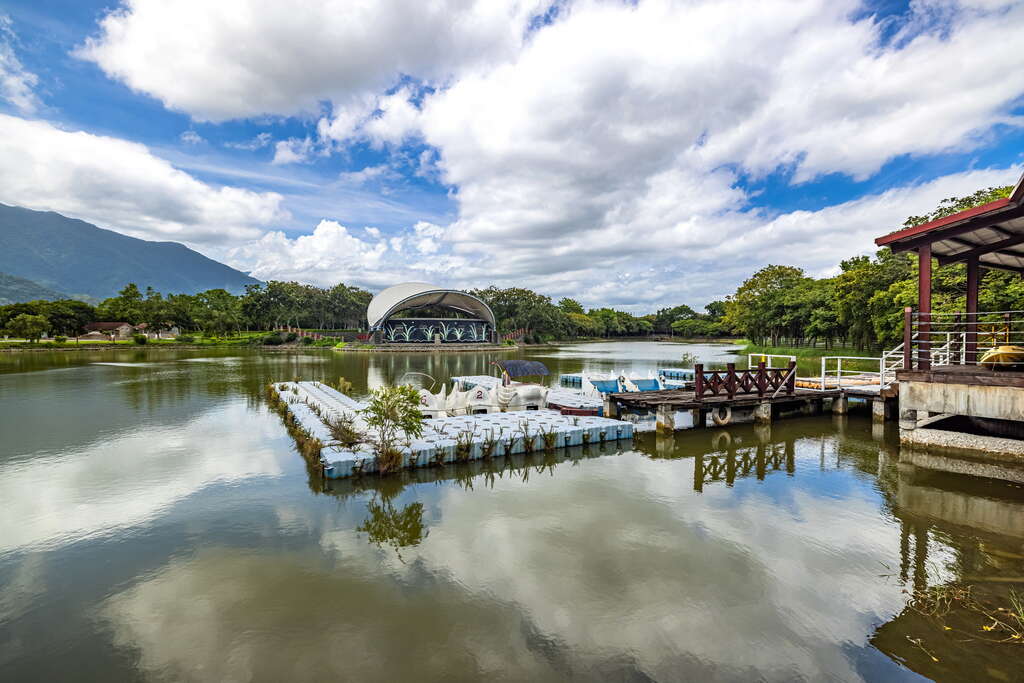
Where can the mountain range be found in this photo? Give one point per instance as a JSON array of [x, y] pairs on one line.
[[67, 256]]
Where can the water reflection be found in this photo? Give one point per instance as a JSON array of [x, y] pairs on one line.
[[157, 524]]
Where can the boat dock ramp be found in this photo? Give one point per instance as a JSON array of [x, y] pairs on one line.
[[312, 406]]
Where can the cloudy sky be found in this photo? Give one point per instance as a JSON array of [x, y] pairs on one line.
[[635, 154]]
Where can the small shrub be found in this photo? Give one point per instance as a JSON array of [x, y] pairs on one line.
[[344, 431], [185, 338], [273, 340], [341, 345], [306, 341], [140, 339], [60, 339], [393, 412], [291, 336]]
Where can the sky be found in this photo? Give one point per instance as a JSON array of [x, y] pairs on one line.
[[636, 154]]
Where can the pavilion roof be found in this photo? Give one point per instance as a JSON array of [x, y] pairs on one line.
[[993, 232]]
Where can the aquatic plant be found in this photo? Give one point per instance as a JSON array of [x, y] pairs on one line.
[[393, 412], [528, 439], [464, 444], [488, 444], [342, 385], [549, 437], [343, 429]]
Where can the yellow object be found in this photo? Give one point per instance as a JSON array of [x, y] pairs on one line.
[[1003, 357]]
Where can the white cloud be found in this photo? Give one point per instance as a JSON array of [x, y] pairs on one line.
[[190, 137], [17, 84], [259, 142], [293, 151], [367, 174], [121, 185], [606, 152], [240, 58], [701, 257]]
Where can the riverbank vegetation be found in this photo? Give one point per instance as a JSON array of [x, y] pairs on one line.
[[857, 309]]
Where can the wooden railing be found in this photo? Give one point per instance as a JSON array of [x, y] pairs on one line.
[[761, 381]]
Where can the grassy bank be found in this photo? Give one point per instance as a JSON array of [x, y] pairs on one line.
[[808, 358], [191, 341]]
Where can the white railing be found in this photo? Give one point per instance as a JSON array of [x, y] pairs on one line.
[[839, 372], [768, 359]]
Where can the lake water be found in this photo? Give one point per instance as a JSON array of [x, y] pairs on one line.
[[156, 523]]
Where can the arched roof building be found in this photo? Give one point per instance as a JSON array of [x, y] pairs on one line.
[[479, 326]]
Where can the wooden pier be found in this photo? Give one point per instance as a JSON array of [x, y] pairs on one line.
[[761, 394]]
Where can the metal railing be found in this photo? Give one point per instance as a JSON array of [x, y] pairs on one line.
[[945, 339], [833, 374], [755, 359]]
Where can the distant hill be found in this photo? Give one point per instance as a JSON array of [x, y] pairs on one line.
[[15, 290], [72, 256]]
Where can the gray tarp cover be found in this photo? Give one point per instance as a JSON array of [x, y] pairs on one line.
[[521, 368]]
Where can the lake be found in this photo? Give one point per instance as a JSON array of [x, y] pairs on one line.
[[158, 524]]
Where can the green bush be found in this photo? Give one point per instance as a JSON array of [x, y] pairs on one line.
[[341, 345], [273, 340], [306, 341], [185, 338], [140, 339], [60, 339], [291, 336]]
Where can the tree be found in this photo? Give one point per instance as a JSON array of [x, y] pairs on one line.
[[27, 326], [127, 306], [393, 411], [756, 309], [571, 306], [951, 205]]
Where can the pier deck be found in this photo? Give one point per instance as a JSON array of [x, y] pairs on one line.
[[682, 399]]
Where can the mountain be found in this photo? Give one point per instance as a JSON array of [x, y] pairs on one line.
[[14, 290], [76, 257]]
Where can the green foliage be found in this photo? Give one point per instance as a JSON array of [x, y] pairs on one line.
[[391, 527], [273, 340], [951, 205], [344, 431], [290, 337], [27, 326], [185, 338], [140, 339], [393, 411], [60, 339], [571, 306], [306, 341]]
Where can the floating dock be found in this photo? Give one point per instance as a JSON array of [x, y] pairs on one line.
[[313, 405]]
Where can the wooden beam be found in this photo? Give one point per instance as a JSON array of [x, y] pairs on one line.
[[924, 306], [969, 225], [979, 251]]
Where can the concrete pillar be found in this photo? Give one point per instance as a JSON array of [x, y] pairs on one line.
[[698, 418], [840, 405], [666, 418], [611, 408], [878, 409], [763, 413], [908, 420]]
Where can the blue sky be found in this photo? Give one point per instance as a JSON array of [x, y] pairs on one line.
[[634, 154]]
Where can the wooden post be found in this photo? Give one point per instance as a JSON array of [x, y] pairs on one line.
[[762, 378], [908, 323], [791, 378], [698, 381], [924, 306], [971, 338], [730, 380]]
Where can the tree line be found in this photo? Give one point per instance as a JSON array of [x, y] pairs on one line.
[[861, 306]]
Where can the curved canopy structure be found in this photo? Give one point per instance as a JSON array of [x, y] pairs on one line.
[[419, 294]]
